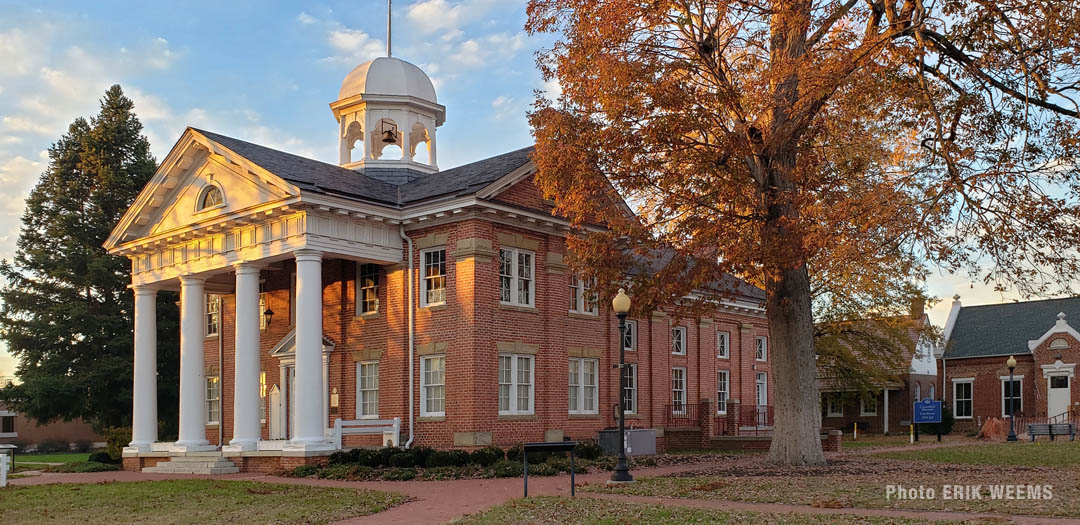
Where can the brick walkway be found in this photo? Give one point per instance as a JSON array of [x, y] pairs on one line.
[[441, 501]]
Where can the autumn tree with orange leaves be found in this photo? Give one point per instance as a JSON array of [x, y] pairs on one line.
[[832, 152]]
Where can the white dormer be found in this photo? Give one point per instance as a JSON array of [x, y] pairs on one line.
[[387, 113]]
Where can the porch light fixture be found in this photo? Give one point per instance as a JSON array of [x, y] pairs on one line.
[[269, 314], [621, 305], [1011, 363]]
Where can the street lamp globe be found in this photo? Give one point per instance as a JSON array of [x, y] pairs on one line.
[[1011, 363], [621, 302]]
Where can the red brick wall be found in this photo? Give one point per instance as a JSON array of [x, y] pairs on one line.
[[70, 431]]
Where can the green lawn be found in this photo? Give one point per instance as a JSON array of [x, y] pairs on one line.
[[584, 510], [70, 457], [188, 501], [1027, 454]]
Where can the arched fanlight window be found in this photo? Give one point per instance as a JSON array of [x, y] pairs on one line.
[[211, 197]]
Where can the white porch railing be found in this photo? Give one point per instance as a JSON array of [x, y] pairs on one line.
[[389, 428]]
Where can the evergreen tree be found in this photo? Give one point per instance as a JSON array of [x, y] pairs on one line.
[[67, 312]]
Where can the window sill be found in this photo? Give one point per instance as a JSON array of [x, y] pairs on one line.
[[367, 316], [673, 354], [517, 417], [518, 308], [583, 416], [213, 425], [211, 337], [723, 357], [963, 417], [434, 307], [579, 315], [9, 434], [430, 419]]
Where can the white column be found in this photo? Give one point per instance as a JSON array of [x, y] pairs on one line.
[[192, 366], [309, 377], [144, 388], [325, 392], [246, 427], [886, 431]]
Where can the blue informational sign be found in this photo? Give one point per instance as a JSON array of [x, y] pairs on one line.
[[927, 411]]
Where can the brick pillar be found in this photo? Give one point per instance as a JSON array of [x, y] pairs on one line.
[[705, 421]]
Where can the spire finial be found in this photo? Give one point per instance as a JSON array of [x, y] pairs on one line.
[[389, 27]]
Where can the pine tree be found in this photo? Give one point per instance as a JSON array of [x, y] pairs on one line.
[[67, 312]]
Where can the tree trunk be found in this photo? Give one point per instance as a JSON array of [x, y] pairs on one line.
[[796, 413]]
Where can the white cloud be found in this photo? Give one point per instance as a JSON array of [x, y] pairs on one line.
[[501, 101], [430, 16], [305, 18], [20, 53], [159, 56], [353, 46], [479, 53]]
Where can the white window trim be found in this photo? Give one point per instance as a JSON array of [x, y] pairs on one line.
[[682, 391], [932, 394], [424, 277], [586, 305], [1003, 379], [515, 277], [423, 386], [360, 392], [512, 401], [580, 387], [359, 290], [721, 408], [727, 345], [208, 300], [682, 331], [863, 412], [633, 391], [764, 348], [210, 400], [971, 381], [631, 329], [264, 304], [765, 376], [11, 414], [262, 397], [832, 402]]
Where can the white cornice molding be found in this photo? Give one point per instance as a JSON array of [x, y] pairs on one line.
[[1060, 327]]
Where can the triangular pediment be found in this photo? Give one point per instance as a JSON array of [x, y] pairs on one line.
[[173, 199], [286, 347]]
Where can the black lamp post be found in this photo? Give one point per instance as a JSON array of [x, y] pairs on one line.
[[621, 305], [1011, 363]]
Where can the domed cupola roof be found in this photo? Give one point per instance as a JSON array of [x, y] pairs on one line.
[[388, 76]]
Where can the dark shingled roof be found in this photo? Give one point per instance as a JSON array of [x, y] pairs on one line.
[[321, 177], [1005, 329]]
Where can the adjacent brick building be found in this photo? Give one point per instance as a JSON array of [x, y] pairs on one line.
[[979, 341]]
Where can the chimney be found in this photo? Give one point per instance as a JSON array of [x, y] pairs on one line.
[[918, 307]]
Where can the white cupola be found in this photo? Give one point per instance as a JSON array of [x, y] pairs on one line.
[[385, 106]]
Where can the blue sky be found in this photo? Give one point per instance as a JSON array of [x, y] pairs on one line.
[[265, 72]]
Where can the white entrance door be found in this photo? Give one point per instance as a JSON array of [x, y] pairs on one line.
[[762, 383], [1058, 394], [275, 412]]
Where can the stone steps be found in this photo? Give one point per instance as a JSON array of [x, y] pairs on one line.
[[194, 465]]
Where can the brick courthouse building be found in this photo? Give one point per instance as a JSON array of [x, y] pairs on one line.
[[385, 288]]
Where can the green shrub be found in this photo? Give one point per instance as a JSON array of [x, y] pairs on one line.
[[116, 438], [506, 469], [486, 456], [304, 471], [83, 445], [514, 454], [447, 458], [944, 427], [402, 459], [588, 449], [562, 464], [544, 469], [338, 471], [341, 457], [84, 466], [442, 473], [360, 473], [49, 446], [421, 454], [101, 456], [399, 474], [382, 456]]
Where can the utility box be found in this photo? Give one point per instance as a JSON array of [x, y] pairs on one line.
[[639, 442]]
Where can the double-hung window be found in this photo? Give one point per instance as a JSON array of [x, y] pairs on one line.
[[213, 315], [629, 338], [962, 398], [678, 340], [582, 295], [367, 389], [723, 345], [723, 390], [213, 400], [834, 405], [515, 384], [629, 389], [868, 405], [1012, 393], [678, 390], [264, 305], [761, 348], [433, 277], [262, 396], [583, 385], [433, 386], [367, 289], [516, 283]]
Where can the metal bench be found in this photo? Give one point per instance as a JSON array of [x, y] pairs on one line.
[[549, 446], [1052, 429], [389, 428]]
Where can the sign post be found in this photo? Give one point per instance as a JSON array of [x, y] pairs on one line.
[[926, 411]]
